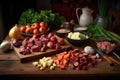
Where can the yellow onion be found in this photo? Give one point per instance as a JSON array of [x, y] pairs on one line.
[[14, 33]]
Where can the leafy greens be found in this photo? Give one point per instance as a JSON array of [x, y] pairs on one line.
[[30, 16]]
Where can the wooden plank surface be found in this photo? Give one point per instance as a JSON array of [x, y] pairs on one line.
[[11, 65], [18, 68], [35, 55]]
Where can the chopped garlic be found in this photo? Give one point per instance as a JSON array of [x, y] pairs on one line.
[[52, 67], [35, 63]]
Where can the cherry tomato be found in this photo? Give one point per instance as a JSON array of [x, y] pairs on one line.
[[27, 26], [42, 29], [29, 30], [35, 25], [35, 31], [43, 24], [22, 29]]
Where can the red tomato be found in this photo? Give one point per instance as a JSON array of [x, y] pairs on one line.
[[35, 25], [29, 30], [42, 29], [43, 24], [27, 26], [35, 31], [22, 29]]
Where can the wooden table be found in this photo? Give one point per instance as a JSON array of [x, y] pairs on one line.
[[11, 67]]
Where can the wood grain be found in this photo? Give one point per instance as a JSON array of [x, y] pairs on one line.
[[11, 66], [35, 55]]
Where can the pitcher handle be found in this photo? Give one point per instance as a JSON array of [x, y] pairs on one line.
[[77, 14]]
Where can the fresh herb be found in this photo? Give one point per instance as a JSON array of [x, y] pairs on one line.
[[53, 19], [30, 16], [82, 37], [99, 32]]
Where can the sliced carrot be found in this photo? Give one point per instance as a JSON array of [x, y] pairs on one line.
[[57, 62], [62, 66], [65, 62], [63, 53], [66, 56], [60, 57]]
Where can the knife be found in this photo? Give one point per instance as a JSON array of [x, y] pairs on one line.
[[118, 57], [109, 59], [102, 53]]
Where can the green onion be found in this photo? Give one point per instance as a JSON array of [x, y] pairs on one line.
[[103, 7]]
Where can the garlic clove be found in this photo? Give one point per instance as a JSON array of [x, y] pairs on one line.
[[89, 50]]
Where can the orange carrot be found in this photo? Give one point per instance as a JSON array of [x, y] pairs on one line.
[[66, 56], [62, 66], [65, 62], [62, 59]]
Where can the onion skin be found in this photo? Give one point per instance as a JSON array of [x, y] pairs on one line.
[[14, 33]]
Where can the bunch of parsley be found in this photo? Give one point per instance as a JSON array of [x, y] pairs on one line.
[[30, 16]]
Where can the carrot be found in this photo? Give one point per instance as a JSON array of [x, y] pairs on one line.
[[61, 63], [66, 56], [63, 53], [65, 62], [54, 58], [62, 59], [62, 66]]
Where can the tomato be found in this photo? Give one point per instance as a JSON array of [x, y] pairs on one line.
[[35, 31], [29, 30], [43, 24], [27, 26], [35, 25], [42, 29], [22, 29]]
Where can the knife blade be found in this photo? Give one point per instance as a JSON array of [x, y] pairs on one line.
[[109, 59], [118, 57]]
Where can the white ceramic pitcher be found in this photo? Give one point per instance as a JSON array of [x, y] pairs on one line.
[[86, 16]]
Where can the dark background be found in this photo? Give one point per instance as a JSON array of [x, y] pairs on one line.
[[12, 9]]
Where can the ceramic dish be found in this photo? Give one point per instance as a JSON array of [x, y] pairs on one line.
[[106, 45], [61, 32], [79, 42]]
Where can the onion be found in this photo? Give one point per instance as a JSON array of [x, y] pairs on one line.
[[14, 33]]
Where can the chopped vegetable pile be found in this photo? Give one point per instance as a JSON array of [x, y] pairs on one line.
[[30, 16], [73, 59]]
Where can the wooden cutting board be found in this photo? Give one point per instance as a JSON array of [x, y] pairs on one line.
[[36, 55]]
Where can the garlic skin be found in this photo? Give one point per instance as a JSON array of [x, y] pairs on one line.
[[89, 50], [5, 45]]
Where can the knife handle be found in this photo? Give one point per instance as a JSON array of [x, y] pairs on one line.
[[108, 60], [115, 61]]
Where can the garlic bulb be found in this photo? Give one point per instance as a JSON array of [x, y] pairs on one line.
[[89, 50], [5, 45]]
